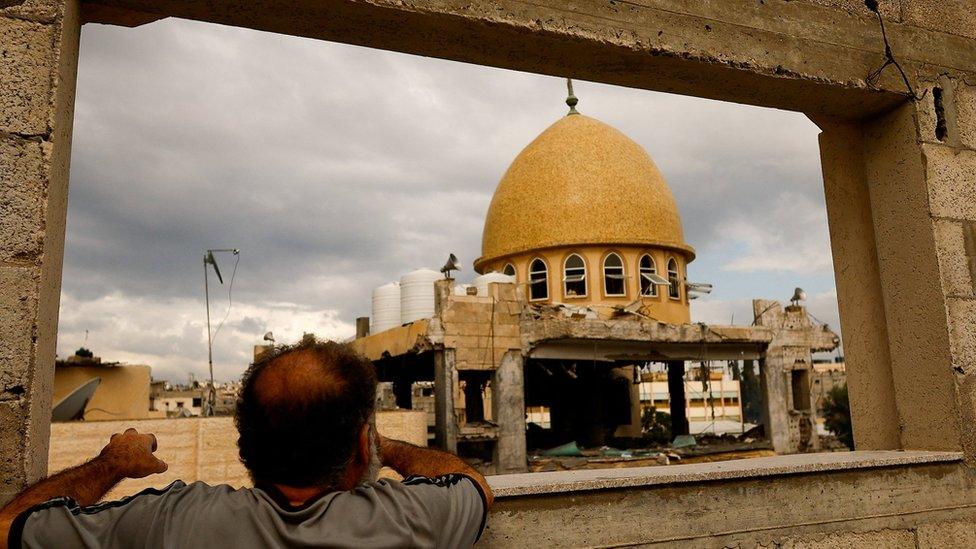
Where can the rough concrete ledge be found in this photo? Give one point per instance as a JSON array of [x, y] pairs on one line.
[[525, 484]]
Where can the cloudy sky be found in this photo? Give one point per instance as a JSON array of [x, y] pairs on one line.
[[337, 168]]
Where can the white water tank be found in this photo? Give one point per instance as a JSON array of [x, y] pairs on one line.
[[386, 308], [417, 294], [482, 281], [462, 289]]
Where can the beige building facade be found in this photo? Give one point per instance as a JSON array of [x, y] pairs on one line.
[[122, 393]]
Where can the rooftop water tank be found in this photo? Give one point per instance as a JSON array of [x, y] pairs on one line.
[[482, 281], [417, 294], [386, 308]]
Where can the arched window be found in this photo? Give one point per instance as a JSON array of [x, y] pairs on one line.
[[538, 280], [674, 288], [613, 276], [648, 272], [509, 269], [574, 277]]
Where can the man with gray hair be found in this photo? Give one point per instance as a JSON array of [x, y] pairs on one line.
[[304, 416]]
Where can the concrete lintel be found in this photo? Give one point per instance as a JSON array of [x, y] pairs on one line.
[[642, 351], [629, 329], [663, 45], [411, 338], [110, 15]]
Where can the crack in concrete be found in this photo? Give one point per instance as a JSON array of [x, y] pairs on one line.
[[36, 137]]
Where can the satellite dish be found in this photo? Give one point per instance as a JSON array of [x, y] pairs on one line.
[[72, 407], [269, 337], [451, 265], [798, 296]]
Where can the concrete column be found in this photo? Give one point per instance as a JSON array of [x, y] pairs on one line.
[[903, 183], [676, 394], [508, 411], [631, 429], [903, 279], [776, 399], [39, 44], [362, 326], [874, 414], [445, 379]]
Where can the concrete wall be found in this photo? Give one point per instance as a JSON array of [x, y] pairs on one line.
[[195, 448], [39, 49], [480, 329], [855, 502]]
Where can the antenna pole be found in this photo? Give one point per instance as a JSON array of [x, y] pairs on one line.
[[208, 407]]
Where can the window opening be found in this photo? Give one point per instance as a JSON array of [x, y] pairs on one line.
[[674, 290], [800, 380], [648, 276], [574, 277], [538, 280], [509, 269], [613, 276]]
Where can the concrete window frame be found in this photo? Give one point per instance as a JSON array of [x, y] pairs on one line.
[[896, 188]]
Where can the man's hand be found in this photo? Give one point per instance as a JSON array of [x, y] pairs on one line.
[[127, 455], [130, 454]]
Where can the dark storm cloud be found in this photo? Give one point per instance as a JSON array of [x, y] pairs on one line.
[[337, 168]]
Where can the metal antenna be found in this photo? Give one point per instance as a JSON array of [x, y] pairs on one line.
[[571, 99], [208, 259]]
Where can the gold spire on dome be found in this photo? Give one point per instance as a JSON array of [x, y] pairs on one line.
[[571, 99]]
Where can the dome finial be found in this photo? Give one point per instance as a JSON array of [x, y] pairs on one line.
[[571, 100]]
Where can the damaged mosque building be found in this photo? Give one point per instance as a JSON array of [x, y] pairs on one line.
[[582, 287]]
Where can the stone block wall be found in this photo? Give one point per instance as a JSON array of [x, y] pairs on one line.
[[38, 61], [481, 328], [195, 448], [946, 120]]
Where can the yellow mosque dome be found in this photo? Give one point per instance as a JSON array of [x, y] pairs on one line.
[[581, 182]]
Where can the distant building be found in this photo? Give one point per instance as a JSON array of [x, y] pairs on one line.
[[826, 376], [176, 401], [122, 391]]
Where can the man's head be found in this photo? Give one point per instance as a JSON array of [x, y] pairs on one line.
[[303, 414]]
